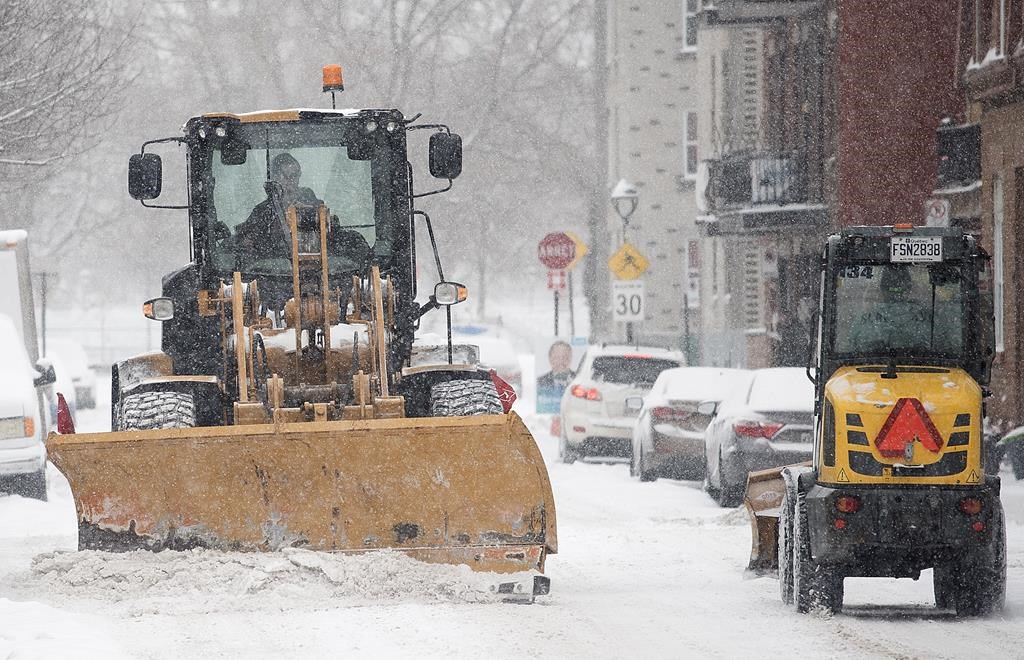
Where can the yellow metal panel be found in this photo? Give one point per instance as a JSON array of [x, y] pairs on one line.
[[943, 395], [460, 489]]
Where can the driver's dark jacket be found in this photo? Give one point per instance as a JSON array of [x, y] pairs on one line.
[[264, 235]]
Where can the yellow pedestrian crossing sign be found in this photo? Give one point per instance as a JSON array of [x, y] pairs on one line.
[[627, 263]]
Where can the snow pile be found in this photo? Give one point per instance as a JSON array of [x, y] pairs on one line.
[[202, 579]]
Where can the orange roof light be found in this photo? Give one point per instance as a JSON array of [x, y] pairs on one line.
[[333, 81]]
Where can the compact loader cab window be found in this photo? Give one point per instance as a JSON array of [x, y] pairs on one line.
[[285, 165], [899, 310]]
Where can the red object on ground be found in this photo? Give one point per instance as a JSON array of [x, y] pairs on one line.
[[506, 392], [65, 424]]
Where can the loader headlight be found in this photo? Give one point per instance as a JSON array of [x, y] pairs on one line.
[[450, 293], [370, 126], [158, 309]]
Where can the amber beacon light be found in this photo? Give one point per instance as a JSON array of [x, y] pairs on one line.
[[333, 81]]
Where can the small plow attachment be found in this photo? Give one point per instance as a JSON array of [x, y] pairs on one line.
[[762, 498], [460, 490]]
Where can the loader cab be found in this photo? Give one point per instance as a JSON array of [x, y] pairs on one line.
[[913, 296], [352, 162]]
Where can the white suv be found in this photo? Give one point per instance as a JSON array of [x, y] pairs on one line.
[[595, 418]]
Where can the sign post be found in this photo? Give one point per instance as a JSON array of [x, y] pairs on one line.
[[557, 251]]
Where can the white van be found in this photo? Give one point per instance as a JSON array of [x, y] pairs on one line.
[[22, 428]]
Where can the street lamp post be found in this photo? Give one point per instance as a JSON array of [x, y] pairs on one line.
[[625, 199]]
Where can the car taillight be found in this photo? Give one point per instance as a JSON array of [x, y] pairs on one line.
[[667, 413], [588, 393], [30, 427], [751, 429], [970, 506], [848, 504]]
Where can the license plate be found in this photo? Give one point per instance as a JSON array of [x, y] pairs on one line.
[[911, 249], [12, 427]]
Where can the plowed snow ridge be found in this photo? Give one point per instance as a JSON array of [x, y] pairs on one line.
[[277, 578]]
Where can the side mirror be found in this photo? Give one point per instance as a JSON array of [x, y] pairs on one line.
[[450, 293], [708, 408], [158, 309], [233, 151], [47, 376], [445, 155], [634, 403], [145, 175]]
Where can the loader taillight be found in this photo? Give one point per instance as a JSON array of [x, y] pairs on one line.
[[970, 506], [978, 526], [30, 427], [839, 523], [588, 393], [752, 429], [848, 504]]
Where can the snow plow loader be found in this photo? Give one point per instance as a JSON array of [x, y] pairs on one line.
[[896, 484], [289, 406]]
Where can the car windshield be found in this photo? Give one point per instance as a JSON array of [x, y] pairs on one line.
[[915, 310], [289, 164], [629, 369]]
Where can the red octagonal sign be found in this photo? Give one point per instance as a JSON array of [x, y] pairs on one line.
[[556, 250]]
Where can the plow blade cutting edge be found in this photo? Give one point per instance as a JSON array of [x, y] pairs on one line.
[[460, 490]]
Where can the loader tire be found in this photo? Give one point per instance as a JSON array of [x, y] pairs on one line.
[[785, 544], [157, 410], [980, 588], [459, 398], [815, 587], [944, 586]]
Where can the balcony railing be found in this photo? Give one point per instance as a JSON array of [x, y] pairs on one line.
[[756, 179], [755, 11]]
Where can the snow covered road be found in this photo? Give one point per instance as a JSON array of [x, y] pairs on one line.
[[644, 570]]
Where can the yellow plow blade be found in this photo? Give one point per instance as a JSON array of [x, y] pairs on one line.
[[763, 498], [465, 490]]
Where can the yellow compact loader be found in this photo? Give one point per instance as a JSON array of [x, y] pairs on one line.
[[288, 405], [896, 483]]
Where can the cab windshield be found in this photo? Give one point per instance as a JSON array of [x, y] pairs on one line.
[[290, 164], [899, 310]]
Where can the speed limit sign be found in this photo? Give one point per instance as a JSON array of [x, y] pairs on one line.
[[628, 300]]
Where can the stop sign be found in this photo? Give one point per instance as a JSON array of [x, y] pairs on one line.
[[556, 250]]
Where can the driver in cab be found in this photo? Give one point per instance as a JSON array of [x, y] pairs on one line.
[[265, 233], [898, 320]]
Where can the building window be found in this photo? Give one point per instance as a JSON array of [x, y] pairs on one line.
[[690, 154], [690, 10]]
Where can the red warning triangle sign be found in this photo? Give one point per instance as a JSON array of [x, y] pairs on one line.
[[908, 422]]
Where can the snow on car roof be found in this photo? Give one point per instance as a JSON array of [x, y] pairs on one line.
[[701, 383], [619, 349], [781, 388]]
